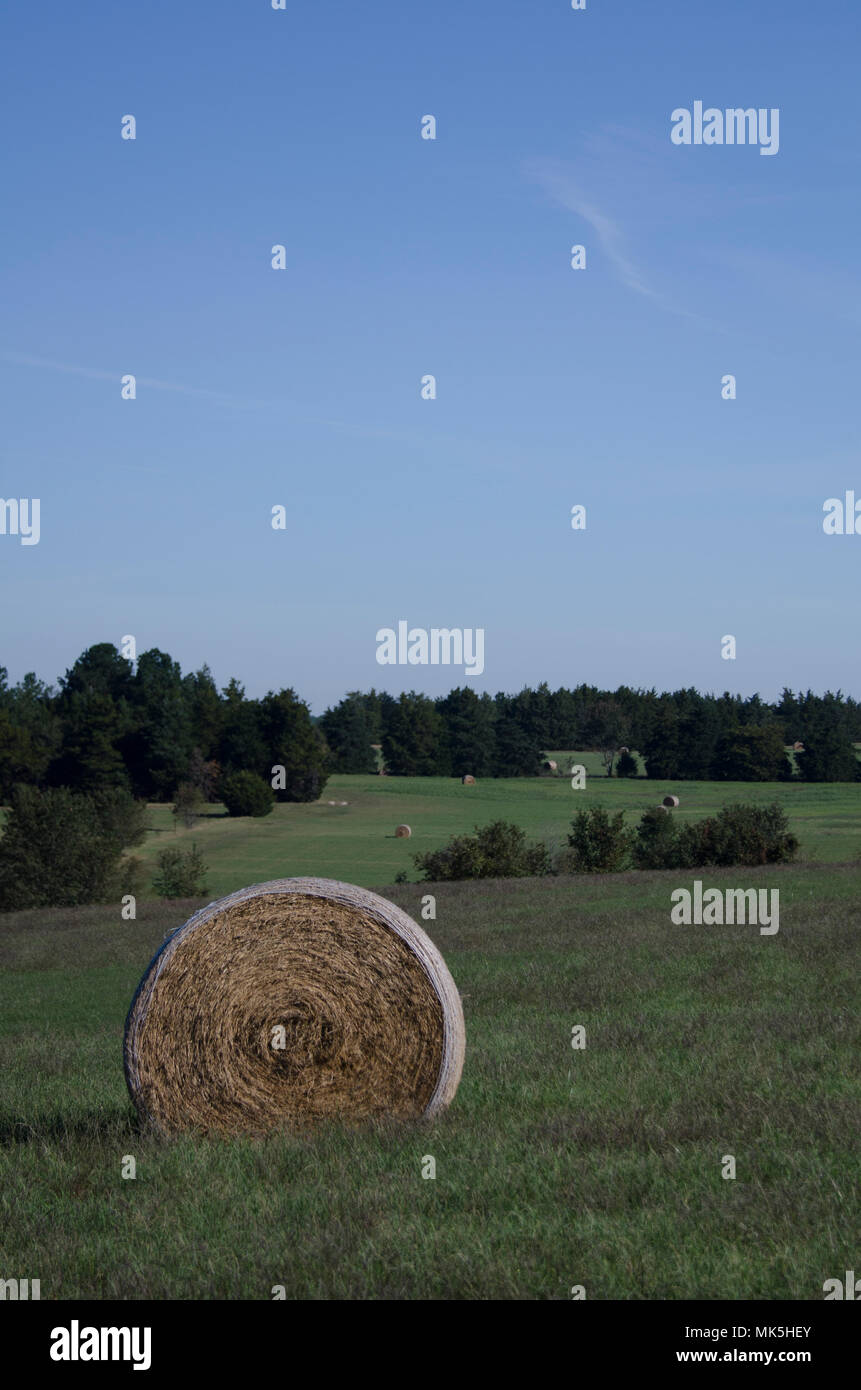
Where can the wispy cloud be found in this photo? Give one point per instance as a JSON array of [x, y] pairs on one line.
[[560, 183], [95, 373], [415, 439]]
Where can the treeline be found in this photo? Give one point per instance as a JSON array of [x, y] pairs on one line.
[[681, 736], [149, 730]]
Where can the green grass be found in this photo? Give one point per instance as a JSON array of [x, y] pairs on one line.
[[554, 1167], [356, 842]]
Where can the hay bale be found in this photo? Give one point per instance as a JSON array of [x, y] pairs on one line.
[[662, 807], [671, 801], [403, 832], [365, 1017], [550, 766], [468, 780], [624, 750], [798, 747]]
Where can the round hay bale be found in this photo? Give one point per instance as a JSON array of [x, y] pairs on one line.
[[671, 801], [550, 766], [624, 750], [798, 747], [662, 807], [468, 780], [298, 1000], [403, 832]]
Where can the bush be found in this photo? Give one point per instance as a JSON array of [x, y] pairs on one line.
[[627, 766], [498, 850], [739, 834], [656, 843], [61, 848], [181, 873], [598, 843], [246, 794]]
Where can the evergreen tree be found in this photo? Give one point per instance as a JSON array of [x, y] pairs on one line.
[[90, 757], [470, 733], [660, 747], [413, 738], [349, 729], [293, 742], [517, 753], [242, 744], [750, 753]]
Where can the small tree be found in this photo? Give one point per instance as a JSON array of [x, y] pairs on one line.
[[186, 805], [202, 775], [599, 844], [627, 765], [181, 873], [246, 794]]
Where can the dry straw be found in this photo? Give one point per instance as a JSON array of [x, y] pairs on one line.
[[468, 780], [550, 766], [403, 832], [671, 801], [293, 1001]]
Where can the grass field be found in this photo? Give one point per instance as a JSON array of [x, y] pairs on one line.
[[357, 842], [555, 1167]]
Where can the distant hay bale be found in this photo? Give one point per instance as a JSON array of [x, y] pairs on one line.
[[289, 1002], [798, 747], [403, 832], [624, 750], [550, 766], [468, 780], [671, 801]]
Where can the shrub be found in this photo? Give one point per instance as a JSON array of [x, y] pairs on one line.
[[246, 794], [181, 873], [656, 843], [627, 766], [598, 843], [61, 848], [739, 834], [129, 876], [498, 850], [186, 805]]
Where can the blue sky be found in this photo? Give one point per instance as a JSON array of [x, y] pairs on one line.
[[405, 257]]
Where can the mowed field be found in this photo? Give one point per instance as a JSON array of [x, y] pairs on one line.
[[357, 842], [598, 1167]]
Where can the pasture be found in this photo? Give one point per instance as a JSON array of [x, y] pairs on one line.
[[555, 1167], [357, 842]]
